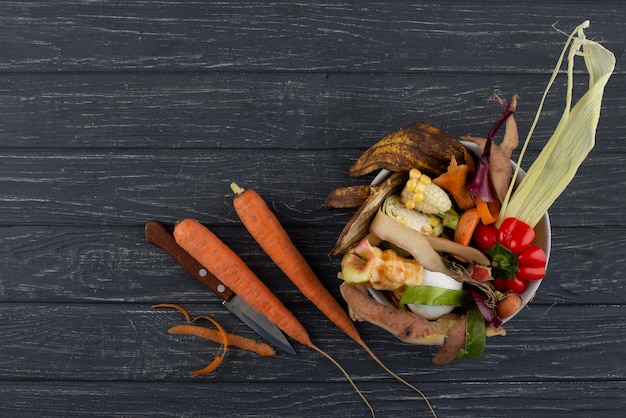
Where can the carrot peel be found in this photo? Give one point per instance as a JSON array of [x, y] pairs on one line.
[[488, 211], [221, 338], [453, 181]]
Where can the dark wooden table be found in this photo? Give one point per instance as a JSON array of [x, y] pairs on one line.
[[115, 113]]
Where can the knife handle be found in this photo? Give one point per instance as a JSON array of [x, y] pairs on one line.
[[158, 235]]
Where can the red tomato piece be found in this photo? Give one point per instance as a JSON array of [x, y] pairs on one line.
[[485, 236], [517, 285], [501, 284]]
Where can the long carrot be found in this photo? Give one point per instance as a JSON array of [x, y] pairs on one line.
[[267, 231], [221, 261]]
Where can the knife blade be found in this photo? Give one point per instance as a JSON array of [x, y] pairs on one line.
[[158, 235]]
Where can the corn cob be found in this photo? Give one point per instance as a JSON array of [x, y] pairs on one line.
[[421, 194]]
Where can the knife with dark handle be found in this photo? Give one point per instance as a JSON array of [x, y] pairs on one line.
[[158, 235]]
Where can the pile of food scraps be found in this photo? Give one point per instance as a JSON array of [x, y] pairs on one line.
[[451, 239]]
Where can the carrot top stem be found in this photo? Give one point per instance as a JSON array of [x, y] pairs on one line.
[[236, 189]]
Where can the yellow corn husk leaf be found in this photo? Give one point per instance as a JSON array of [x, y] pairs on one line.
[[573, 138]]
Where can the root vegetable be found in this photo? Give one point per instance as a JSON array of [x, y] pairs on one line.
[[509, 305]]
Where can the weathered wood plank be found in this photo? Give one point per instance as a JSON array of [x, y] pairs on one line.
[[576, 346], [313, 36], [131, 187], [455, 399], [272, 111], [111, 264]]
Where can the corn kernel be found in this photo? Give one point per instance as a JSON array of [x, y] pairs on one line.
[[409, 204], [418, 197], [414, 173], [425, 179], [411, 184]]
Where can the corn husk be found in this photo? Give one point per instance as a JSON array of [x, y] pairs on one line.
[[573, 138]]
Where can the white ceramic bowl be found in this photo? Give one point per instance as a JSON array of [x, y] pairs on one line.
[[543, 238]]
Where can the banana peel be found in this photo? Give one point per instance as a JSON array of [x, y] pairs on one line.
[[358, 226], [419, 145], [348, 197]]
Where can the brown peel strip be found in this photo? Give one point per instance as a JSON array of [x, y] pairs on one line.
[[455, 341], [358, 226], [348, 197], [405, 325]]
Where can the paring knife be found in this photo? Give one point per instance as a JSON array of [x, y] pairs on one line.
[[158, 235]]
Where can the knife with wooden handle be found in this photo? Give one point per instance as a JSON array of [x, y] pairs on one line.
[[158, 235]]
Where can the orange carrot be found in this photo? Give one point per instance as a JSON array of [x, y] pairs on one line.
[[488, 211], [222, 336], [222, 262], [238, 341], [265, 228], [465, 227], [244, 343], [218, 360]]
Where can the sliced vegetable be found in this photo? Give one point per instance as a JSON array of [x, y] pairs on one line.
[[435, 296], [573, 138], [466, 226]]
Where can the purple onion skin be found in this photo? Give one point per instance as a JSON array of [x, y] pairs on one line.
[[489, 313]]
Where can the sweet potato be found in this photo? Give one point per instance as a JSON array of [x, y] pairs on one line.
[[407, 326]]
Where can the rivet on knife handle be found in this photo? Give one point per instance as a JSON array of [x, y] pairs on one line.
[[158, 235]]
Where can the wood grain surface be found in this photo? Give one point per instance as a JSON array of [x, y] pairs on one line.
[[116, 113]]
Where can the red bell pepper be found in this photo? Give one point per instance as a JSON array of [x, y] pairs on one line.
[[514, 259]]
